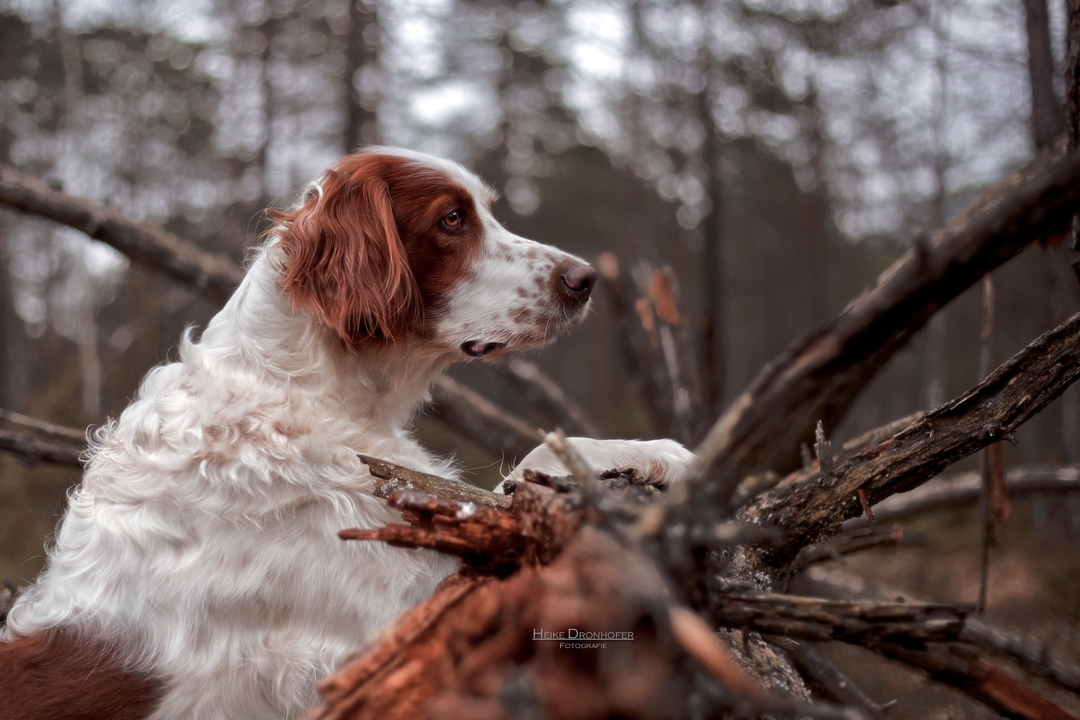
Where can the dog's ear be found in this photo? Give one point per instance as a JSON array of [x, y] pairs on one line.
[[345, 263]]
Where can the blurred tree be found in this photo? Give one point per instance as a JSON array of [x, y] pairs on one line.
[[1047, 124], [362, 74]]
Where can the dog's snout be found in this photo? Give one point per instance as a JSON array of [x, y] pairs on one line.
[[578, 280]]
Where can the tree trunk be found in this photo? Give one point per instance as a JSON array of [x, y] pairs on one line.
[[361, 55], [1047, 122]]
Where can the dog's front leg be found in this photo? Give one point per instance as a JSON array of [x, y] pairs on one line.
[[661, 462]]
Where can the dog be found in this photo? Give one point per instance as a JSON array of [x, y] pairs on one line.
[[197, 571]]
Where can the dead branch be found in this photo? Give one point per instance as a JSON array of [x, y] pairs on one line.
[[826, 679], [980, 677], [860, 623], [994, 500], [700, 642], [632, 337], [483, 421], [492, 624], [808, 509], [819, 376], [213, 275], [37, 440], [879, 434], [1024, 651], [848, 542], [47, 429], [676, 353], [546, 394], [1041, 661], [963, 489], [534, 530], [389, 478]]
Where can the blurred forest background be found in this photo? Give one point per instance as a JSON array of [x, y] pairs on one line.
[[776, 154]]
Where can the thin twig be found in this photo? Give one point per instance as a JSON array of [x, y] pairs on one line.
[[849, 542]]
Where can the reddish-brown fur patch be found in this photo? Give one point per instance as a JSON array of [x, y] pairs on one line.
[[61, 674], [369, 258]]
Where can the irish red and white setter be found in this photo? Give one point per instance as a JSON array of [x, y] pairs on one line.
[[197, 572]]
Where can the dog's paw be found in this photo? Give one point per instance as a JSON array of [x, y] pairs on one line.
[[660, 462]]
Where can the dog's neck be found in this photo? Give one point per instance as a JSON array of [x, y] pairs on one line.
[[258, 336]]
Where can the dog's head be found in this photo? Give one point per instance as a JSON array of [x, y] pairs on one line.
[[390, 245]]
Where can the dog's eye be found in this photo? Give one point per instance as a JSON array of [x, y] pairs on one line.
[[452, 220]]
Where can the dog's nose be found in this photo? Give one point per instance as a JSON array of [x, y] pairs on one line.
[[578, 280]]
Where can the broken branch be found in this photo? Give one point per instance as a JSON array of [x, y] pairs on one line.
[[1024, 651], [977, 675]]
